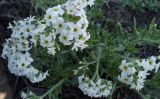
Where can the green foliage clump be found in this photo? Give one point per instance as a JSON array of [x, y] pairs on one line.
[[42, 5], [142, 5]]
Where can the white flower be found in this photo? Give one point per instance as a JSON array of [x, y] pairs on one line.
[[146, 64], [10, 26], [125, 78], [30, 19], [90, 2], [83, 38], [77, 45], [153, 63], [28, 29], [5, 51], [157, 67], [78, 4], [51, 17], [27, 95], [94, 88], [51, 50], [84, 23], [46, 41], [138, 85], [126, 67], [23, 46], [59, 25], [75, 29], [24, 95], [66, 37], [142, 74], [70, 9], [22, 64], [57, 10], [38, 77], [39, 29]]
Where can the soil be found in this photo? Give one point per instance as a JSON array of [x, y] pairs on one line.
[[17, 9], [115, 12], [5, 89]]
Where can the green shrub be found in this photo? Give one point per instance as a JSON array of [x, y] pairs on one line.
[[142, 5]]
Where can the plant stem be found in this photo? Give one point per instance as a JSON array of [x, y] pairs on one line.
[[114, 87], [124, 57], [54, 87], [140, 94], [97, 67], [98, 62], [145, 40]]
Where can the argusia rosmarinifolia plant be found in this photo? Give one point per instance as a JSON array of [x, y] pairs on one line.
[[66, 25]]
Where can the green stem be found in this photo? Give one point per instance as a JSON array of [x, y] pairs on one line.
[[140, 94], [54, 87], [98, 62], [97, 68], [124, 57], [145, 40], [114, 87], [35, 51]]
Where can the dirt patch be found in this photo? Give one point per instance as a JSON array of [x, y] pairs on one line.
[[5, 89]]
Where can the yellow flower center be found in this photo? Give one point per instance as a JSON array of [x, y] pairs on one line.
[[55, 9], [49, 17], [46, 41], [125, 79], [125, 68], [65, 37], [28, 30], [83, 25], [150, 62], [60, 25], [23, 64], [75, 29]]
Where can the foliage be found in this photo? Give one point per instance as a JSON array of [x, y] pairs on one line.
[[142, 5], [42, 5]]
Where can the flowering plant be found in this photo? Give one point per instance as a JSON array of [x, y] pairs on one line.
[[135, 73], [48, 49], [66, 24]]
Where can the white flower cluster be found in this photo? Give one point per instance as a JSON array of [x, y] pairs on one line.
[[135, 73], [67, 21], [17, 48], [94, 89]]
